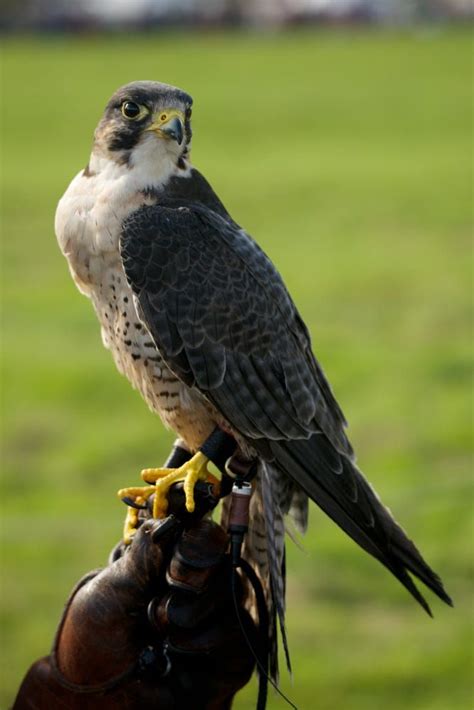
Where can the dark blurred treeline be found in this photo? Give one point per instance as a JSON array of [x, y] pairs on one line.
[[83, 15]]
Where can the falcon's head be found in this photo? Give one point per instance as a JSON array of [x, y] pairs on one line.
[[145, 121]]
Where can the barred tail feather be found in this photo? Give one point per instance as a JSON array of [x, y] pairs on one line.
[[271, 479], [298, 511]]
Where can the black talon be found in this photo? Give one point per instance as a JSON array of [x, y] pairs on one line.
[[132, 503]]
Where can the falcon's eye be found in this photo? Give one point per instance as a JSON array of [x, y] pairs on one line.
[[132, 111]]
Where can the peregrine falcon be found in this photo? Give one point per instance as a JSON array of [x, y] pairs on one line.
[[199, 320]]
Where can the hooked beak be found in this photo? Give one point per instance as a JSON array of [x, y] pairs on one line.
[[173, 129], [169, 124]]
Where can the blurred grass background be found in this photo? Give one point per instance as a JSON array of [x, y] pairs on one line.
[[347, 155]]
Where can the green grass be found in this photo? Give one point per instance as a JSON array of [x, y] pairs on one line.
[[347, 157]]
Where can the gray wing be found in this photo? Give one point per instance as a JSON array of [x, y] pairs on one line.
[[224, 322]]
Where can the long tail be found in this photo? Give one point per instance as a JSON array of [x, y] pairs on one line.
[[264, 549], [336, 485]]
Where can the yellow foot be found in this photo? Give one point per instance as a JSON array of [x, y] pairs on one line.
[[163, 478], [190, 473]]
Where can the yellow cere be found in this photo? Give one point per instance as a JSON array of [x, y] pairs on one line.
[[162, 117]]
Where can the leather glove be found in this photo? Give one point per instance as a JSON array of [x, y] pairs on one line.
[[157, 628]]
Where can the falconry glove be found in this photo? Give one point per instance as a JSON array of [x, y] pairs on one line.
[[154, 629]]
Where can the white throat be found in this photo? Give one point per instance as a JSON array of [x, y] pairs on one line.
[[150, 164], [90, 215]]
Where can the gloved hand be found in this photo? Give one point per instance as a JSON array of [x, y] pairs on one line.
[[155, 629]]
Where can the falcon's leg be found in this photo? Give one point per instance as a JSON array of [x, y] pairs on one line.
[[163, 478]]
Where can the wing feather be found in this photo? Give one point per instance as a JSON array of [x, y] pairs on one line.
[[223, 320]]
